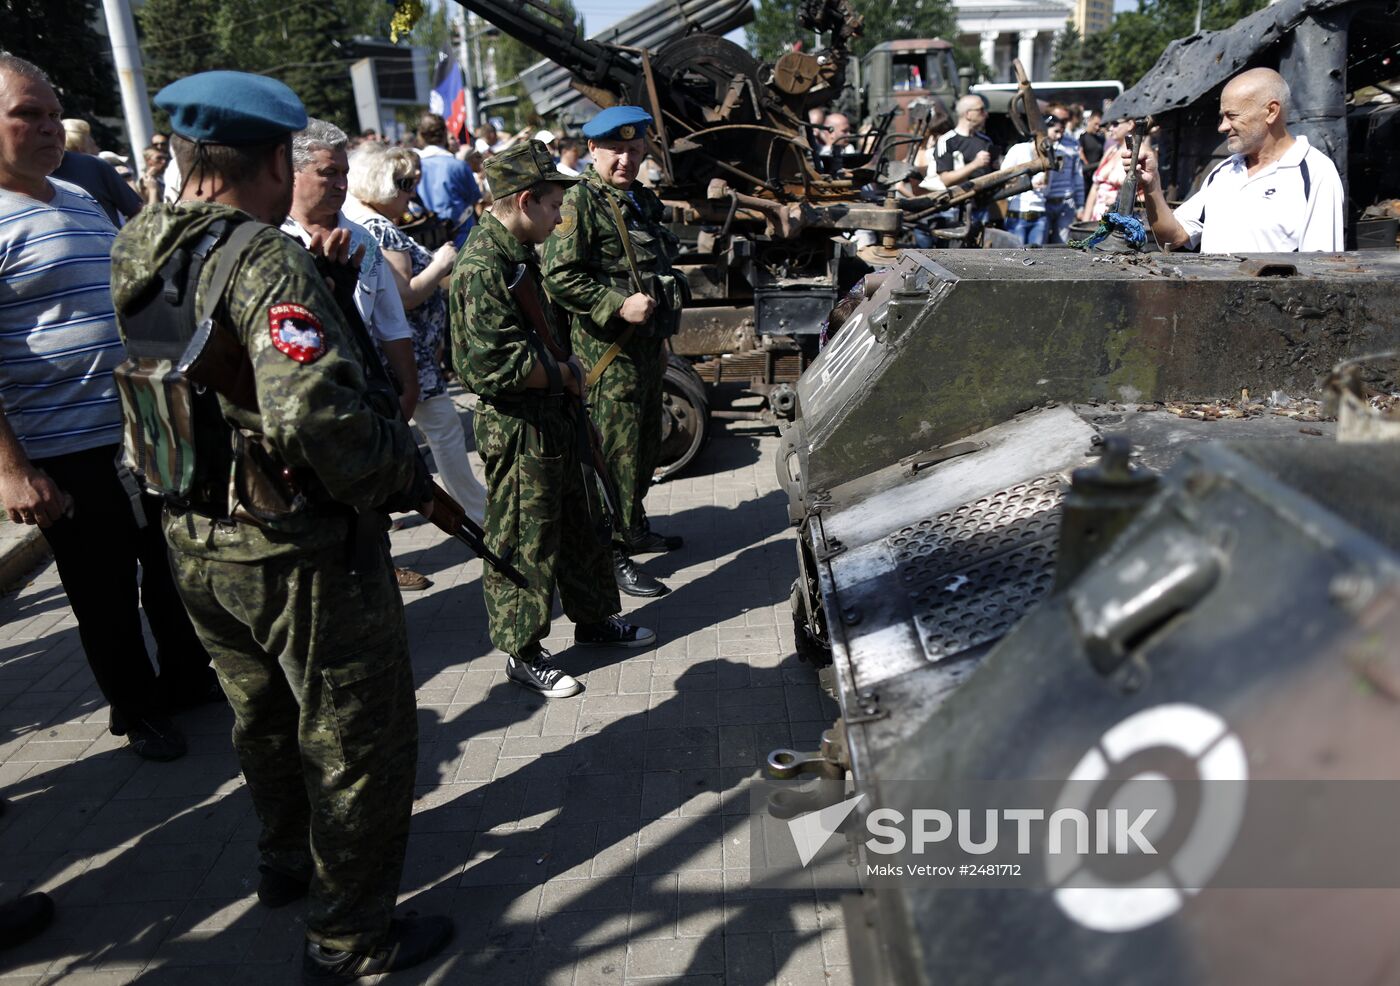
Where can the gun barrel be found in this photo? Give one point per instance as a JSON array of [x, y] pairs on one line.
[[596, 63]]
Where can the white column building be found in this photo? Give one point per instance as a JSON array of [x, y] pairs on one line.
[[1008, 29]]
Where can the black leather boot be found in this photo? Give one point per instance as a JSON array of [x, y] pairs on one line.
[[632, 580], [645, 541]]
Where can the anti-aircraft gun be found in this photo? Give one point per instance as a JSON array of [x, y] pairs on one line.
[[1080, 519], [763, 219]]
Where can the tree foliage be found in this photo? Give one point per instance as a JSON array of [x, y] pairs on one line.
[[774, 28], [1077, 57], [510, 58], [433, 31], [1137, 38], [57, 35], [304, 45]]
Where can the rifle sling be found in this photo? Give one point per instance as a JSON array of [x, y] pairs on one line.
[[526, 282], [620, 222], [229, 256], [610, 354]]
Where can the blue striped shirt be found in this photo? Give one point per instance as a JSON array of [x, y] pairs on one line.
[[58, 333]]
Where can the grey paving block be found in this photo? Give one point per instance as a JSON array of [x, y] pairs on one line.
[[601, 894], [834, 950], [500, 917], [654, 907], [748, 959], [589, 841], [674, 958], [700, 902], [585, 929], [600, 965]]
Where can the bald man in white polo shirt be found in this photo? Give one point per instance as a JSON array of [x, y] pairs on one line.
[[1274, 194]]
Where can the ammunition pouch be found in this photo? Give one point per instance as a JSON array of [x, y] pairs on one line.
[[669, 290], [262, 490]]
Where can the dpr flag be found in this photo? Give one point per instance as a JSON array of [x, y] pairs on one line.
[[449, 98]]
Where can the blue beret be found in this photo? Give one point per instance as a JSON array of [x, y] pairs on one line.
[[618, 123], [231, 108]]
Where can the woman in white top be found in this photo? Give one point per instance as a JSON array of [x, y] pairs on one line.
[[382, 180]]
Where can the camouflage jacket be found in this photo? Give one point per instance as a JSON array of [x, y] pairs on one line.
[[312, 410], [586, 267], [492, 345]]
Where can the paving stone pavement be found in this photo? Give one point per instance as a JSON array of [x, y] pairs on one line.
[[581, 842]]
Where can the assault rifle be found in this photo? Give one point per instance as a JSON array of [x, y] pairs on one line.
[[448, 515], [597, 478]]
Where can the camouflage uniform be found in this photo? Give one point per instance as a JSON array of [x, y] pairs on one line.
[[313, 658], [527, 441], [587, 273]]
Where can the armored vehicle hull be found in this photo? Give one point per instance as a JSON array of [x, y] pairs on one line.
[[994, 585]]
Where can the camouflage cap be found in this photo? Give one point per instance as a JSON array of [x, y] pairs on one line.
[[522, 165]]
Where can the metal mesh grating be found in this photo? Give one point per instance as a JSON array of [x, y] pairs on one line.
[[973, 571]]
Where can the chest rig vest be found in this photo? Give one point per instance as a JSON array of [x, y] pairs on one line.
[[180, 359]]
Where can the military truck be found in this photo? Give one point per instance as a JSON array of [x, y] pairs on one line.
[[904, 74], [1083, 517]]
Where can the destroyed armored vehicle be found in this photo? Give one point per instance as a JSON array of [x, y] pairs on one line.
[[771, 232], [1084, 518], [1049, 499]]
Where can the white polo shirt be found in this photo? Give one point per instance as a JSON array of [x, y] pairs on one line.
[[1294, 204], [376, 291]]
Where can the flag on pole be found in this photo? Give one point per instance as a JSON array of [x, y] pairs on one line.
[[449, 97]]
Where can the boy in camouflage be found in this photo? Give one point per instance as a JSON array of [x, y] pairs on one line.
[[526, 431]]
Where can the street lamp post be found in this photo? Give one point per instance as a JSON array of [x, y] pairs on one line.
[[126, 55]]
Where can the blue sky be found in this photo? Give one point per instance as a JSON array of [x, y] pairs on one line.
[[598, 14]]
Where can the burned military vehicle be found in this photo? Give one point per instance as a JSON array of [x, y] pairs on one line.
[[1018, 532], [1084, 518], [771, 230]]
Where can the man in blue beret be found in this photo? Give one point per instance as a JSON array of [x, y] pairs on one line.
[[276, 479], [610, 264]]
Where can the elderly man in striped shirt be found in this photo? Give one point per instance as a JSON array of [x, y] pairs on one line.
[[60, 427]]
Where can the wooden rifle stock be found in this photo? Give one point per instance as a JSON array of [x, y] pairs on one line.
[[450, 518], [596, 474]]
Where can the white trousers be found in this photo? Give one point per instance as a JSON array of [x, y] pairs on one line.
[[438, 419]]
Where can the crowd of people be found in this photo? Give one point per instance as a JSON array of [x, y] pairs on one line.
[[1090, 164], [962, 151], [243, 502]]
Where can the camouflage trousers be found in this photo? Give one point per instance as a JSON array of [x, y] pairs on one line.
[[536, 504], [314, 661], [626, 407]]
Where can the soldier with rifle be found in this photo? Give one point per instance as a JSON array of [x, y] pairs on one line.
[[609, 265], [246, 408], [532, 430]]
